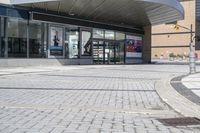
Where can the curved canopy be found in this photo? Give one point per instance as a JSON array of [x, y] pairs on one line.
[[134, 13]]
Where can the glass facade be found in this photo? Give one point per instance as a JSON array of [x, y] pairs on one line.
[[98, 33], [36, 47], [98, 52], [119, 36], [22, 38], [110, 35], [72, 39], [86, 43], [17, 38]]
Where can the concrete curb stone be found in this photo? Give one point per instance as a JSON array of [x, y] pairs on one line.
[[177, 84], [174, 99]]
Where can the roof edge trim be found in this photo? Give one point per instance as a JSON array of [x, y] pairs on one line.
[[16, 2], [175, 4]]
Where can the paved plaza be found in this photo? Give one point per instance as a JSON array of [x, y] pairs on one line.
[[87, 99]]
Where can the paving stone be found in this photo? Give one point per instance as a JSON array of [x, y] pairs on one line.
[[86, 99]]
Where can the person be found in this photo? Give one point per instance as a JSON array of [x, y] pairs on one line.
[[56, 39]]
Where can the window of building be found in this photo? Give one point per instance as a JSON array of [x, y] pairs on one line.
[[109, 35], [86, 43], [71, 42], [98, 33], [120, 36], [17, 37], [35, 42]]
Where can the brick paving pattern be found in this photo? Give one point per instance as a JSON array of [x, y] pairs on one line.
[[86, 99]]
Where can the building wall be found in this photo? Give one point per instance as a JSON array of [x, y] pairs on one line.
[[166, 39]]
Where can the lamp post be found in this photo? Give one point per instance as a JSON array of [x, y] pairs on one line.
[[192, 57]]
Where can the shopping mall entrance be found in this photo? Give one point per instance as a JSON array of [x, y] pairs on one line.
[[108, 52]]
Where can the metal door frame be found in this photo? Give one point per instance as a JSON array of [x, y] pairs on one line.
[[104, 46], [80, 40]]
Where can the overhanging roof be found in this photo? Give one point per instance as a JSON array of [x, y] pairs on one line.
[[134, 13]]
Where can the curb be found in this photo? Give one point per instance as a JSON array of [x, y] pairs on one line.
[[177, 84], [173, 63], [174, 99]]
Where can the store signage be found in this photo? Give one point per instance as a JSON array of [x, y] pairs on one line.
[[133, 49]]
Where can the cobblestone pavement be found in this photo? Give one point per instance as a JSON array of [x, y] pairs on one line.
[[86, 99]]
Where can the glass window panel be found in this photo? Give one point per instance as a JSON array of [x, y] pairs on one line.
[[86, 43], [109, 35], [119, 49], [120, 36], [35, 44], [97, 33], [71, 41], [17, 37]]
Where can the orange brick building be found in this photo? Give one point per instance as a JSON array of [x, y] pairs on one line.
[[167, 40]]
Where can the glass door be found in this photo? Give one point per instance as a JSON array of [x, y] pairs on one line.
[[98, 52], [86, 42], [72, 42], [119, 49], [109, 52]]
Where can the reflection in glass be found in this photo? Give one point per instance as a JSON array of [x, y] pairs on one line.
[[109, 35], [98, 52], [35, 46], [86, 43], [17, 37], [120, 36], [119, 48], [71, 41], [97, 33], [110, 52]]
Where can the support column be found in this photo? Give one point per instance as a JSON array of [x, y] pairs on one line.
[[79, 43], [0, 37], [146, 49], [6, 37], [27, 39], [47, 41], [42, 39]]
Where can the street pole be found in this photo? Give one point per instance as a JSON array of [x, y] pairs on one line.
[[192, 57]]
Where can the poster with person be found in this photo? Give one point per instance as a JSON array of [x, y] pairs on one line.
[[56, 41]]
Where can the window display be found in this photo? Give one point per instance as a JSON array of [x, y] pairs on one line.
[[133, 48], [56, 42], [72, 39], [86, 43]]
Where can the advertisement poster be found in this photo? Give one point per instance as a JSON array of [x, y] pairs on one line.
[[56, 41], [133, 48]]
